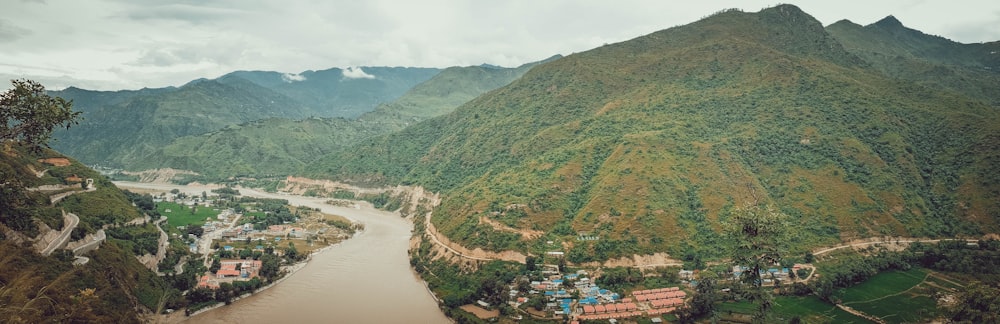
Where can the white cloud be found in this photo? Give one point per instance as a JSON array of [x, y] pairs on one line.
[[356, 73], [132, 44], [292, 77]]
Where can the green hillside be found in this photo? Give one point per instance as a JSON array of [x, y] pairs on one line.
[[970, 69], [649, 144], [264, 147], [122, 128], [113, 287], [283, 146], [329, 93], [121, 131]]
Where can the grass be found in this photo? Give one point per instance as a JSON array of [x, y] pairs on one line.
[[904, 308], [809, 309], [896, 296], [181, 215], [882, 285]]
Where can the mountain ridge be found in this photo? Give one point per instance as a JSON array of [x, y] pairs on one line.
[[120, 128], [651, 143], [280, 146]]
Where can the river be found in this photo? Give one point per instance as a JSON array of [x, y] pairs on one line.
[[366, 279]]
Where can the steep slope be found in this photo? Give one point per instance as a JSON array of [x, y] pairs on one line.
[[970, 69], [282, 146], [442, 94], [649, 144], [35, 287], [124, 129]]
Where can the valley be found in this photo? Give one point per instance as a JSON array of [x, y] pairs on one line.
[[746, 167], [373, 261]]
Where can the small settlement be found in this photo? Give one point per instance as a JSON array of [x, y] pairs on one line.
[[237, 234], [576, 296]]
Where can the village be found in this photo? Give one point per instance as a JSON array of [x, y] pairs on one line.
[[234, 234], [575, 296]]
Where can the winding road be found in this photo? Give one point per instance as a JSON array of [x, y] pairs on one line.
[[70, 221]]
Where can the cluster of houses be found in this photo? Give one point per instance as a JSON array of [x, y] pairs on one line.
[[286, 230], [245, 269], [768, 275], [231, 270], [577, 296], [186, 200]]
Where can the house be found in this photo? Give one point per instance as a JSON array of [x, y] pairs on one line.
[[206, 282], [228, 269], [239, 268], [74, 179]]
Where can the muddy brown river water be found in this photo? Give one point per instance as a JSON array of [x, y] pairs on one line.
[[366, 279]]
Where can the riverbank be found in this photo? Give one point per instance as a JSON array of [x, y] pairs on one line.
[[352, 281], [289, 271]]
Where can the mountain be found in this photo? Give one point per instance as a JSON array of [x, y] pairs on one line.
[[338, 92], [121, 128], [44, 282], [970, 69], [650, 144], [451, 88], [284, 146]]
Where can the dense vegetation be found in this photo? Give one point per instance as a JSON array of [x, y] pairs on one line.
[[650, 144], [112, 287], [121, 128], [284, 145]]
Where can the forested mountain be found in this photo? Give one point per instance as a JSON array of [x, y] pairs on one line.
[[284, 146], [39, 284], [649, 144], [970, 69], [122, 128], [338, 92]]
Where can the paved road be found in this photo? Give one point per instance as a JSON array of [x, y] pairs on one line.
[[99, 238], [70, 221]]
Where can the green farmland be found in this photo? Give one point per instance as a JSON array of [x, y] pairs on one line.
[[808, 309], [181, 215], [895, 296]]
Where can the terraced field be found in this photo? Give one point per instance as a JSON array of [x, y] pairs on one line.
[[897, 296]]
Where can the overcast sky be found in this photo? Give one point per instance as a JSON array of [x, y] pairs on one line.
[[130, 44]]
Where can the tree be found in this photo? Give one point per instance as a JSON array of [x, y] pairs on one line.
[[978, 304], [216, 265], [706, 294], [757, 234], [28, 114]]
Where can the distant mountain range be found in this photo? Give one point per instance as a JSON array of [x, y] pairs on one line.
[[121, 128], [651, 143]]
